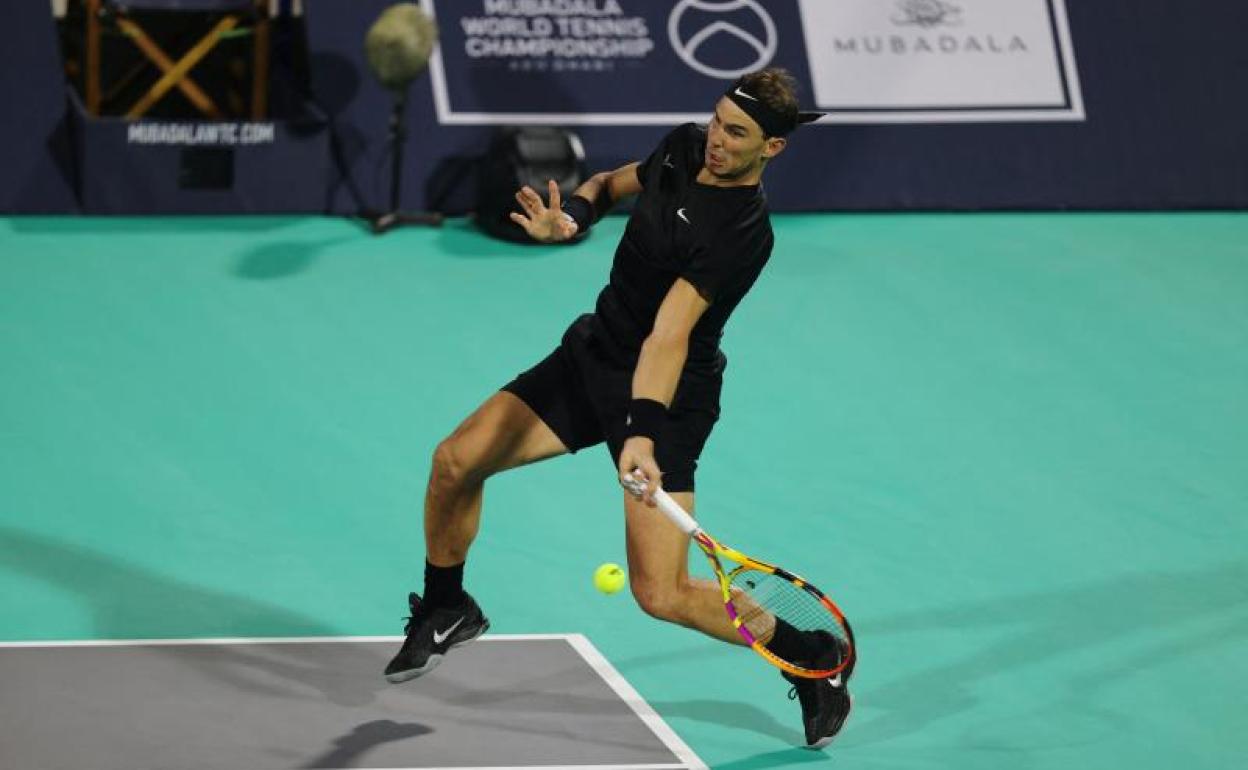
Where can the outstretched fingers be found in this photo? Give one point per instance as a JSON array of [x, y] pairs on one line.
[[530, 201], [556, 202], [522, 220], [542, 222]]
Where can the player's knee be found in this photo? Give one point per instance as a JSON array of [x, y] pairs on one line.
[[451, 468], [656, 600]]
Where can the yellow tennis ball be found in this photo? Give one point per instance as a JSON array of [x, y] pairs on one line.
[[609, 578]]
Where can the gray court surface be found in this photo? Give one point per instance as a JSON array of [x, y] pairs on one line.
[[502, 702]]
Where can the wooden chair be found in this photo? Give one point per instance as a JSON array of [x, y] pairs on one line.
[[238, 17]]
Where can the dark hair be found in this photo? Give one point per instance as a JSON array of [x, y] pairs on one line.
[[777, 88]]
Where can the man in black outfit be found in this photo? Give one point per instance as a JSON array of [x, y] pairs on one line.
[[641, 373]]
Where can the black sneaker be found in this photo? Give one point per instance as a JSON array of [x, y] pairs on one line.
[[825, 702], [431, 632]]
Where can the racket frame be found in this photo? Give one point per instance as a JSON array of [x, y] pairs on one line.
[[713, 549]]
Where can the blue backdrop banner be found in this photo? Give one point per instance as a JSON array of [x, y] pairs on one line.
[[932, 104]]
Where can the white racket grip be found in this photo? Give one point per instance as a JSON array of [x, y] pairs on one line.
[[668, 506]]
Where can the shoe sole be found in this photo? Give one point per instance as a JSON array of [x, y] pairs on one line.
[[412, 673]]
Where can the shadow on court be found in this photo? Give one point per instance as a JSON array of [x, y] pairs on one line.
[[1132, 622], [736, 716], [282, 259], [355, 744], [780, 758], [129, 602]]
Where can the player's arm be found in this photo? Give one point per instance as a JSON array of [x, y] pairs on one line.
[[655, 379], [588, 204], [664, 351], [607, 188]]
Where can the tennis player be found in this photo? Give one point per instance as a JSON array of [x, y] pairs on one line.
[[642, 373]]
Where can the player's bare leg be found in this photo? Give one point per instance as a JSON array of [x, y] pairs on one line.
[[658, 572], [503, 433]]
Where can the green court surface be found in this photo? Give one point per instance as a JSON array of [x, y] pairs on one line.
[[1014, 447]]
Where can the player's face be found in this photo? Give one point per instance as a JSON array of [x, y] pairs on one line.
[[735, 145]]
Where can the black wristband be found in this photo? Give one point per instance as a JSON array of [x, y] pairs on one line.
[[645, 418], [581, 210]]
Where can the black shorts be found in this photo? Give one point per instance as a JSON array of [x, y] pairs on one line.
[[582, 394]]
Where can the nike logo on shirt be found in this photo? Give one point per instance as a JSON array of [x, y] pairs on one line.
[[667, 161], [440, 636], [681, 213]]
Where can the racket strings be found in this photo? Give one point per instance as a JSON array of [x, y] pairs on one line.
[[761, 597]]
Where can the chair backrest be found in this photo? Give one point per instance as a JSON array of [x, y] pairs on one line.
[[249, 16]]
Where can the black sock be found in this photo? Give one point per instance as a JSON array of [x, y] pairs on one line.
[[793, 645], [444, 586]]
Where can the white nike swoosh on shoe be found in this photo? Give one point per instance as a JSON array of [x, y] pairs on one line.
[[440, 636], [741, 93]]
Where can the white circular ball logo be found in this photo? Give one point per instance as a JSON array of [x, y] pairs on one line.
[[687, 49]]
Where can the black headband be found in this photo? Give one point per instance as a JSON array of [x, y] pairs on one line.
[[771, 121]]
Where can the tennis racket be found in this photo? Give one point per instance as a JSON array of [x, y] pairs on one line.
[[755, 593]]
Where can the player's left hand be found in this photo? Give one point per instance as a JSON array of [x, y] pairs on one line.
[[547, 224], [636, 455]]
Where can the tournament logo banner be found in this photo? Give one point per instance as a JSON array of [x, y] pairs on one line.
[[602, 62], [936, 61], [622, 62]]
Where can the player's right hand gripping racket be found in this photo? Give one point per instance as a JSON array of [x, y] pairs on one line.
[[756, 593]]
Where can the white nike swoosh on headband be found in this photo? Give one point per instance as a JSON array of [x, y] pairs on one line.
[[739, 92]]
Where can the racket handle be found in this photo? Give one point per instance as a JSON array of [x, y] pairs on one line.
[[668, 506]]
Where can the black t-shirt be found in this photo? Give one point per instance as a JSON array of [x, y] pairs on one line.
[[716, 238]]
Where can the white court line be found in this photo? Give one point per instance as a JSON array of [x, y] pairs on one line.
[[579, 642], [638, 704]]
